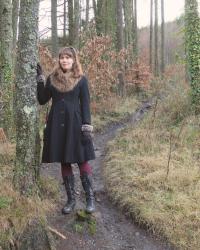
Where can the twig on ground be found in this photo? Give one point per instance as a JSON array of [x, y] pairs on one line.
[[57, 233]]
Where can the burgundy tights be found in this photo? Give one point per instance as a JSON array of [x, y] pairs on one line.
[[84, 167]]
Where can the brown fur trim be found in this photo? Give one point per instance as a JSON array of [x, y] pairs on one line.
[[62, 81]]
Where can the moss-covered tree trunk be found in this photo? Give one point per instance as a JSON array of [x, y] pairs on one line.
[[6, 66], [192, 45], [15, 15], [26, 113]]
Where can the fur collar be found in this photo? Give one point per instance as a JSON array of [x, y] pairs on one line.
[[62, 81]]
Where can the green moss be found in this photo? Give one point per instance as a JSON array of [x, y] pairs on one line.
[[192, 35], [85, 222], [6, 120], [5, 202]]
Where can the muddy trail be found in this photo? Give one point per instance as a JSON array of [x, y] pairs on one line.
[[113, 230]]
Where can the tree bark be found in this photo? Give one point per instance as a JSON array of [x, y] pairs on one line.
[[135, 33], [95, 10], [6, 65], [162, 39], [128, 8], [110, 18], [99, 17], [87, 14], [120, 36], [15, 17], [71, 21], [64, 23], [26, 112], [156, 72], [120, 44], [151, 37], [54, 29], [76, 22]]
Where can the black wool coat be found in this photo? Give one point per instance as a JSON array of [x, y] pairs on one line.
[[63, 139]]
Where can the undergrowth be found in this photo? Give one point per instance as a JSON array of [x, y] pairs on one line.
[[153, 170]]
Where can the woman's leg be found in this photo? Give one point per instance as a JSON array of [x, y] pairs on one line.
[[66, 170], [85, 168], [86, 179], [68, 180]]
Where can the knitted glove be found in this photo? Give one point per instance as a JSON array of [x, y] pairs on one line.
[[40, 77]]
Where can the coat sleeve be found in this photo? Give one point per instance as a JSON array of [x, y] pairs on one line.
[[43, 92], [85, 102]]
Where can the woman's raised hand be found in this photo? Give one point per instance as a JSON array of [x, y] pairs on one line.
[[39, 69], [40, 77]]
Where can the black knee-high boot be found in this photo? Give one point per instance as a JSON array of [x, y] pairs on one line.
[[71, 202], [87, 186]]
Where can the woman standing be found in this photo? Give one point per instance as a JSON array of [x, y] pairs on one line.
[[67, 136]]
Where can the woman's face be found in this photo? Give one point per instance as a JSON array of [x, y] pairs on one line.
[[66, 62]]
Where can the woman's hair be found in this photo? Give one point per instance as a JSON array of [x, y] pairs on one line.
[[71, 52]]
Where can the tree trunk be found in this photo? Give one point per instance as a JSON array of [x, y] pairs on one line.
[[64, 23], [120, 36], [6, 65], [156, 40], [99, 17], [192, 38], [151, 38], [135, 33], [25, 172], [110, 18], [127, 6], [15, 16], [106, 18], [87, 14], [71, 21], [76, 22], [162, 39], [54, 31], [95, 10], [120, 44]]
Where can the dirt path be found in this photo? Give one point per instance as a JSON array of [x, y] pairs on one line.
[[113, 230]]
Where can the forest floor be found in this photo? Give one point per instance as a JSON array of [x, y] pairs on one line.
[[108, 228]]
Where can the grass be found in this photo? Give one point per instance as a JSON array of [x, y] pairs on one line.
[[17, 211], [153, 171], [120, 110]]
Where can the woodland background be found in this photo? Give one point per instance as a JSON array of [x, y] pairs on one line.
[[125, 65]]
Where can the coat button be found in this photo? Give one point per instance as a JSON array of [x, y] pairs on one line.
[[62, 124], [62, 111]]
